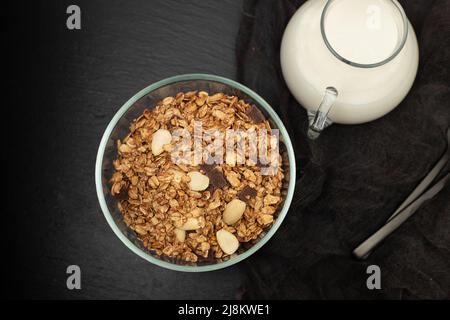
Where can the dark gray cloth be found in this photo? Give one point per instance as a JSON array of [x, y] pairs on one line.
[[352, 178]]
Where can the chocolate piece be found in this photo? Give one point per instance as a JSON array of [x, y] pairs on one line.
[[217, 179], [255, 114], [247, 193], [207, 168], [209, 259], [122, 195]]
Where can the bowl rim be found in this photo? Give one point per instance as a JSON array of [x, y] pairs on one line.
[[105, 138]]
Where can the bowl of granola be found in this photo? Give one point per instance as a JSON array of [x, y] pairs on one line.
[[195, 173]]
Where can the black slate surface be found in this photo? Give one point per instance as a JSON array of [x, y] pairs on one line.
[[75, 82], [66, 86]]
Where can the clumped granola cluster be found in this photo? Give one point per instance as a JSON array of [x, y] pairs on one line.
[[187, 211]]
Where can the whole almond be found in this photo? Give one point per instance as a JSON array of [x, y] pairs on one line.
[[233, 211], [199, 182], [190, 224], [160, 139], [227, 241]]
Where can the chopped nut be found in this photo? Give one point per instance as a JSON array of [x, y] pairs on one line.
[[268, 210], [249, 175], [265, 219], [204, 246], [173, 203], [219, 114], [233, 178], [125, 148], [177, 175], [213, 205], [180, 234], [191, 224], [197, 212], [270, 199]]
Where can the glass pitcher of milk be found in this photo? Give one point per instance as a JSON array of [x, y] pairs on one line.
[[348, 61]]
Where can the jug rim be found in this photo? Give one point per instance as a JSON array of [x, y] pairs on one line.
[[397, 50]]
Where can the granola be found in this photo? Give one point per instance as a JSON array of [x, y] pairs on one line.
[[192, 211]]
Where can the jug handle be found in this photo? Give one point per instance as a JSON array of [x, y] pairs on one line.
[[320, 120]]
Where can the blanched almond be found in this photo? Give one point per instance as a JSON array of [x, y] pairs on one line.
[[227, 241], [234, 211], [199, 182], [160, 139], [190, 224], [180, 234]]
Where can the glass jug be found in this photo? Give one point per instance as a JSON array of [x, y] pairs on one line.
[[348, 61]]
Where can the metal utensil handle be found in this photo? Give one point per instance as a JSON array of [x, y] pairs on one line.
[[363, 250], [423, 184]]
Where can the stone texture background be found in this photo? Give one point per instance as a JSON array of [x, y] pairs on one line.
[[66, 86]]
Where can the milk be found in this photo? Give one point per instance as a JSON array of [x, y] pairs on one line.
[[366, 34], [363, 32]]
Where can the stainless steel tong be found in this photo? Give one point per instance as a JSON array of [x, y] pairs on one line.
[[409, 206]]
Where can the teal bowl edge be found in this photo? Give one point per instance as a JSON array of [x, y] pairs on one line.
[[281, 215]]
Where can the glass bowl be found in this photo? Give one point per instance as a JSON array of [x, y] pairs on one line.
[[119, 128]]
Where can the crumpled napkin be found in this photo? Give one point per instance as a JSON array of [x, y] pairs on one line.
[[352, 178]]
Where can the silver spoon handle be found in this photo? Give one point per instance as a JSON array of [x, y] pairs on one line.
[[423, 184], [367, 246]]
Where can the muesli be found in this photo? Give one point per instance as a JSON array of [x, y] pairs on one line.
[[196, 209]]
